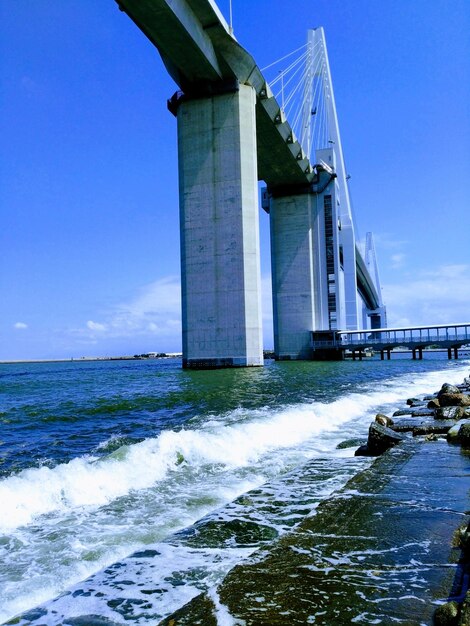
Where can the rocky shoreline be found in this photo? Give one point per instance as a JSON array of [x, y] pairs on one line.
[[447, 412], [392, 546]]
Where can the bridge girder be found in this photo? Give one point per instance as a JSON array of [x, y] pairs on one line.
[[365, 284], [198, 50]]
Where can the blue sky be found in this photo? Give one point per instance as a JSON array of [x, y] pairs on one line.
[[89, 235]]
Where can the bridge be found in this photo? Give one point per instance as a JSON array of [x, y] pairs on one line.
[[232, 133], [384, 340]]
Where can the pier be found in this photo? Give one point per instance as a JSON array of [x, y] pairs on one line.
[[384, 340]]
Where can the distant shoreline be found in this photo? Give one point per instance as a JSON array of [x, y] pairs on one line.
[[82, 359], [170, 355]]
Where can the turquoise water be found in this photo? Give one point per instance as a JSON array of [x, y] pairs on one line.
[[102, 459]]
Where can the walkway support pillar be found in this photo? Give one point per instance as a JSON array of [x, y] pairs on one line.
[[456, 353], [220, 262]]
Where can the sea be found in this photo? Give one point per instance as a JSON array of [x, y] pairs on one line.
[[100, 460]]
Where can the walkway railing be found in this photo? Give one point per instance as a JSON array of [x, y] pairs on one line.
[[415, 338]]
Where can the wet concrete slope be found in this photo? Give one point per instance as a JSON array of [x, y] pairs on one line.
[[380, 551]]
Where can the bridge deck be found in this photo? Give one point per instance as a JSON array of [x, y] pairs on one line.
[[413, 337]]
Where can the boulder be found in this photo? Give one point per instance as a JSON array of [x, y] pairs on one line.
[[350, 443], [414, 401], [384, 420], [454, 399], [449, 413], [381, 438], [363, 451], [431, 429], [433, 404], [404, 425], [453, 433], [448, 388], [447, 614], [464, 435], [424, 412], [465, 611], [402, 412]]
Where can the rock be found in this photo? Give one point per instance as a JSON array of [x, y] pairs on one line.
[[363, 451], [427, 429], [464, 541], [433, 404], [447, 614], [402, 412], [454, 399], [449, 413], [404, 425], [413, 401], [382, 438], [350, 443], [423, 413], [384, 420], [453, 433], [465, 611], [447, 388], [464, 435]]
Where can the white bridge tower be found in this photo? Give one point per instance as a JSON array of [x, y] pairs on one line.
[[315, 259]]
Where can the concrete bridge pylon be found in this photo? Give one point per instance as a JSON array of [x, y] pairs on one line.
[[219, 224]]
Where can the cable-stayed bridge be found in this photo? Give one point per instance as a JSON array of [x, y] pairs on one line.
[[233, 131]]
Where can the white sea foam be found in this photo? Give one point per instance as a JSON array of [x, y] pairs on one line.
[[92, 482]]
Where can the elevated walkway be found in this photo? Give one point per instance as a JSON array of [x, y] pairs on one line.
[[414, 338]]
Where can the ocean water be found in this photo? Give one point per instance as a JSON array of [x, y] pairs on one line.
[[102, 460]]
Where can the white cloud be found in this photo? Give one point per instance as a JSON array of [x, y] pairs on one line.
[[95, 326], [435, 296], [397, 260], [155, 310], [20, 325]]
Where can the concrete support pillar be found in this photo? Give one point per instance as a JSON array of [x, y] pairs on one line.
[[292, 275], [220, 264], [449, 353], [456, 353]]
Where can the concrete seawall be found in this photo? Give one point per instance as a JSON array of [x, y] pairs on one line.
[[382, 550]]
